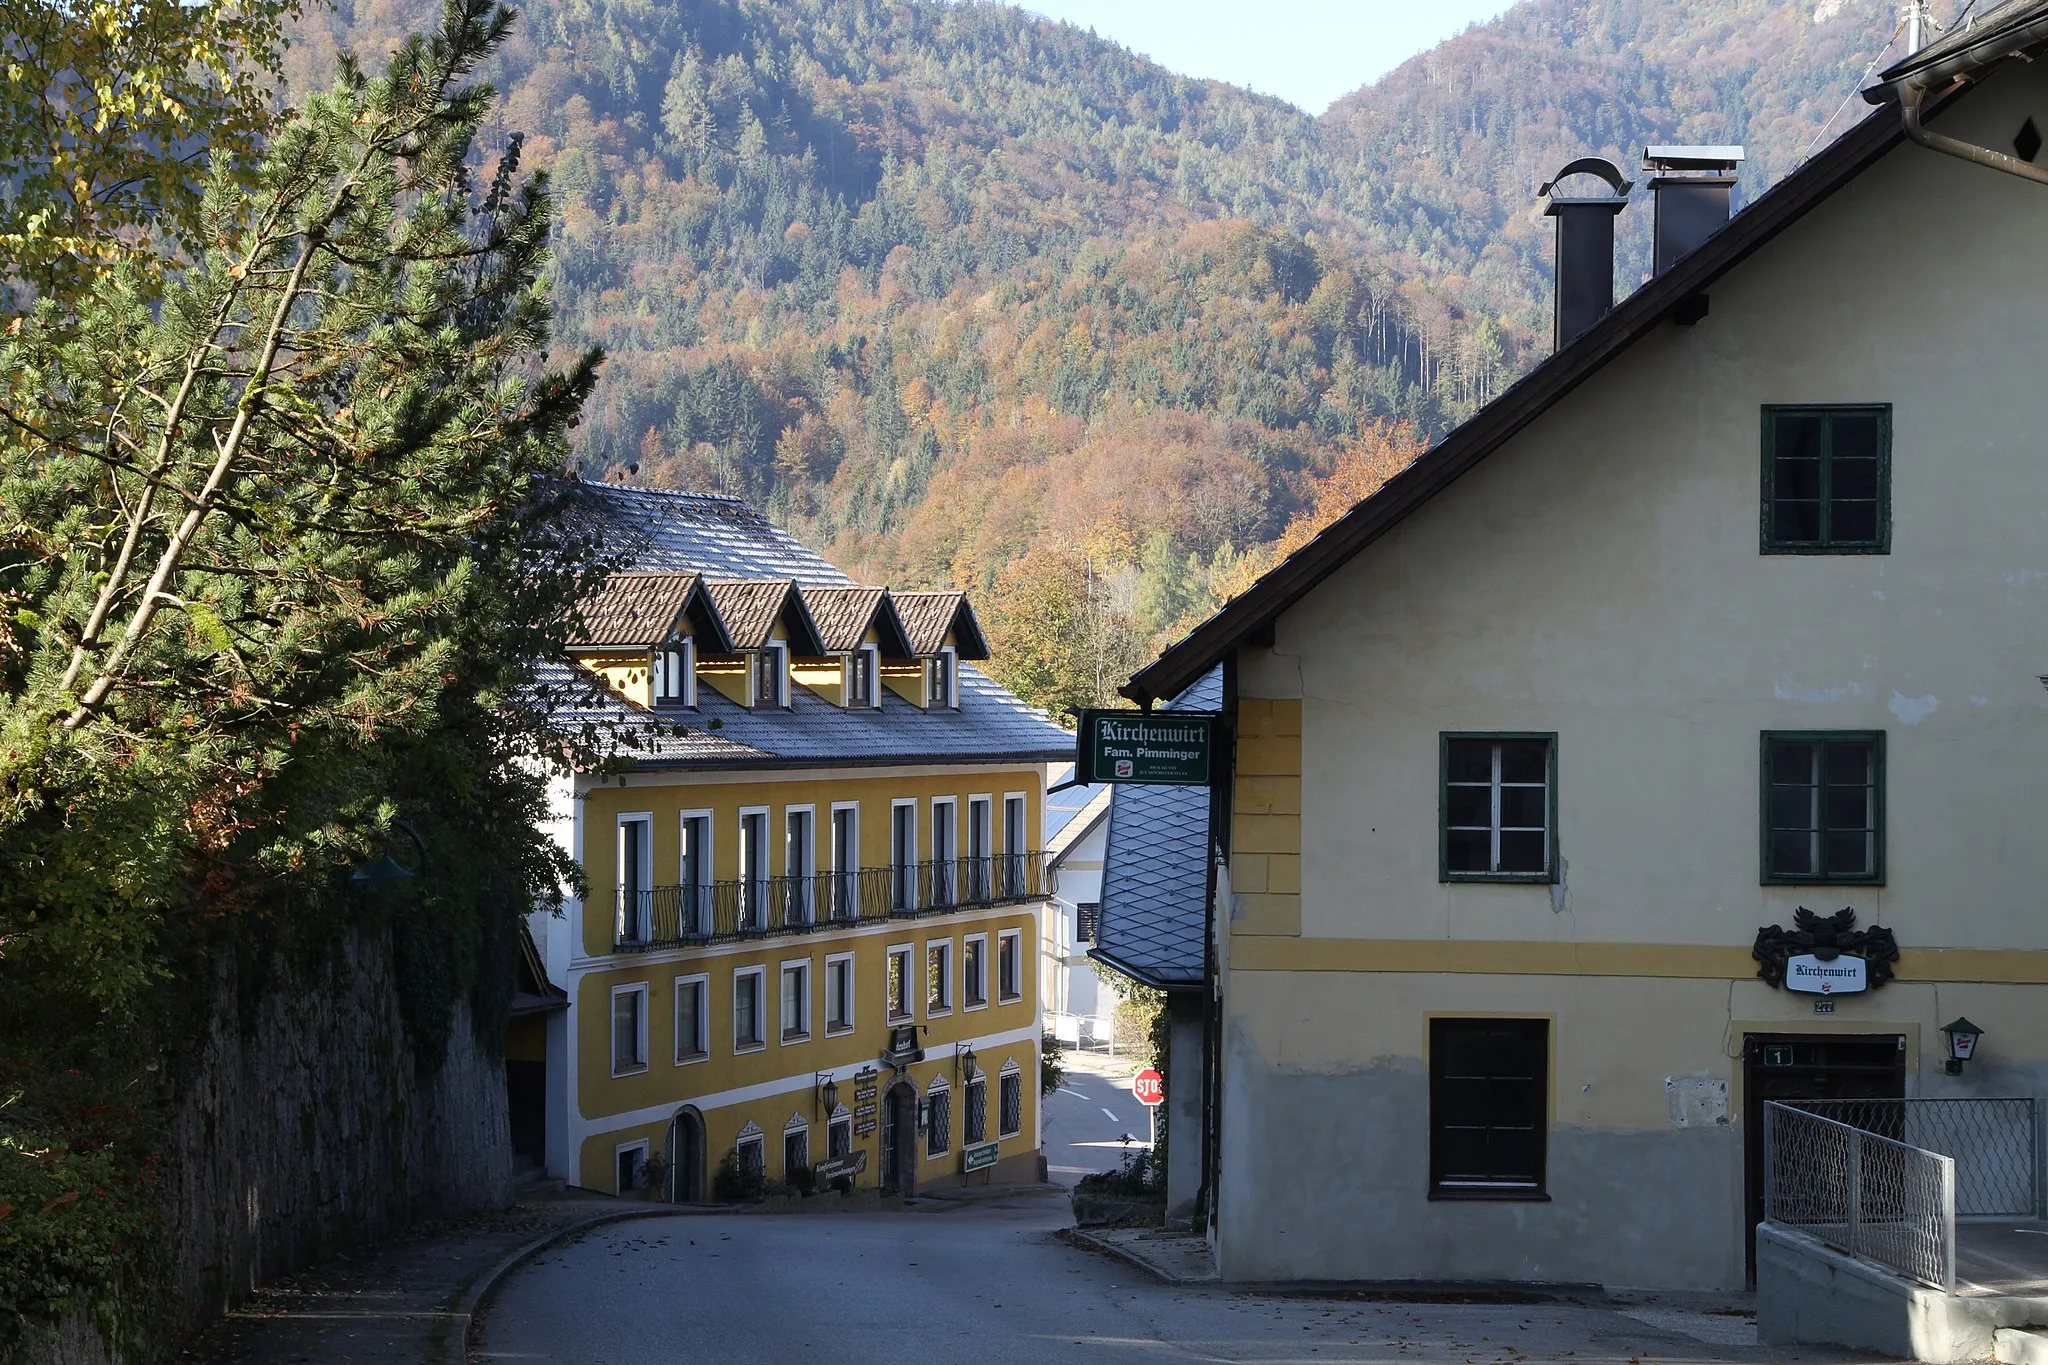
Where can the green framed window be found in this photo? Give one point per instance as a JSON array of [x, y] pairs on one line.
[[1823, 806], [1497, 807], [1827, 479]]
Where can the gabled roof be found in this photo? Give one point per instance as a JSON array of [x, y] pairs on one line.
[[704, 533], [927, 616], [1251, 613], [842, 617], [640, 610], [750, 607], [1155, 872]]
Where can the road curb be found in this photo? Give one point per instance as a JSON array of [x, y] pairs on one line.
[[1088, 1241], [461, 1320]]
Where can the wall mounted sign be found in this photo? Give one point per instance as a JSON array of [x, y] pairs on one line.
[[978, 1158], [903, 1048], [840, 1167], [1825, 954], [1163, 748]]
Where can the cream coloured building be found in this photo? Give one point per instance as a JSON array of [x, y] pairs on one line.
[[1735, 606]]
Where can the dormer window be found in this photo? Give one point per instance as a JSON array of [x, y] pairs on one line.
[[942, 680], [771, 675], [864, 678], [675, 674]]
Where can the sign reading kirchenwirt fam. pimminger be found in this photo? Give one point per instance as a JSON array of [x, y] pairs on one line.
[[1825, 955], [1163, 748]]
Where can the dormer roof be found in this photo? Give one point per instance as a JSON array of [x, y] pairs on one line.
[[640, 610], [750, 608], [928, 617], [843, 617]]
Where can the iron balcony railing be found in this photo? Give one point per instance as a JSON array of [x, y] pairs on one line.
[[760, 907]]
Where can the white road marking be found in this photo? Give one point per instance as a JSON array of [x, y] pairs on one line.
[[1112, 1117]]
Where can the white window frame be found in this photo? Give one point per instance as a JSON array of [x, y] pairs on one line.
[[643, 916], [945, 863], [702, 981], [866, 664], [681, 689], [848, 961], [979, 1082], [755, 881], [624, 1147], [948, 693], [937, 1088], [801, 1033], [981, 866], [845, 880], [780, 649], [967, 1001], [1021, 801], [802, 875], [903, 877], [945, 978], [1010, 1070], [760, 975], [697, 915], [638, 1065], [751, 1133], [913, 985], [842, 1117], [796, 1124], [1015, 936]]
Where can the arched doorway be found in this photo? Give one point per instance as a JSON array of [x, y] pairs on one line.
[[899, 1139], [686, 1156]]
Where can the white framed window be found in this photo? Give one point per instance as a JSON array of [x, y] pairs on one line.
[[753, 909], [1015, 832], [749, 1027], [974, 1111], [675, 673], [693, 1019], [938, 1130], [938, 977], [846, 860], [1010, 966], [769, 670], [839, 993], [863, 680], [902, 981], [974, 972], [903, 855], [839, 1134], [942, 680], [796, 1147], [980, 850], [799, 864], [945, 864], [1010, 1100], [796, 1000], [629, 1029], [750, 1150], [695, 873], [634, 917], [629, 1164]]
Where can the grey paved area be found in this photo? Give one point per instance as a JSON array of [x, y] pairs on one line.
[[993, 1284], [393, 1303], [1086, 1120], [2002, 1258], [1174, 1256]]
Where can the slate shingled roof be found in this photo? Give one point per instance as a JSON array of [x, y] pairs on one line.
[[726, 541], [633, 610], [749, 607], [927, 616], [1155, 874]]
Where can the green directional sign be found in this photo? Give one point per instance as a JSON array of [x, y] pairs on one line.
[[979, 1158], [1164, 748]]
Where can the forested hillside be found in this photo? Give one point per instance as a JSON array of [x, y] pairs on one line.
[[946, 285]]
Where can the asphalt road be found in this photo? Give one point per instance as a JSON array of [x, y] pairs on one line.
[[1085, 1123], [992, 1284]]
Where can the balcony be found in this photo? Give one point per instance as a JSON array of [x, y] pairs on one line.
[[768, 907]]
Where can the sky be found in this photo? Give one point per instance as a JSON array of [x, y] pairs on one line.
[[1308, 52]]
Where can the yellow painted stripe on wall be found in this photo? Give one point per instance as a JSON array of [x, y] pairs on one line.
[[1265, 953]]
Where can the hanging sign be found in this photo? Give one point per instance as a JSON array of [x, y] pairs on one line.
[[978, 1158], [1162, 748]]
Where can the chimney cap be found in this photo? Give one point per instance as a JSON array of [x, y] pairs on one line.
[[1722, 158], [1590, 165]]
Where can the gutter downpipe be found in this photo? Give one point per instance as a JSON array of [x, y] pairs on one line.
[[1911, 97]]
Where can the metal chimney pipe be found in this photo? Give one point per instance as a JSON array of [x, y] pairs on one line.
[[1691, 187], [1585, 247], [1916, 20]]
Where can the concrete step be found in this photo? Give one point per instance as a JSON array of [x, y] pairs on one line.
[[2021, 1346]]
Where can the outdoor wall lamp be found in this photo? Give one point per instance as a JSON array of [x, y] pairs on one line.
[[967, 1063], [828, 1091], [1962, 1044]]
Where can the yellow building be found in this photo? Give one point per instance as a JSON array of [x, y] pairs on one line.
[[804, 955]]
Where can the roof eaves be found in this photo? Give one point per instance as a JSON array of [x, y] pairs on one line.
[[2010, 31], [1530, 397], [1141, 975]]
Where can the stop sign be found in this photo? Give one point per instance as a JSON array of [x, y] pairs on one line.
[[1150, 1087]]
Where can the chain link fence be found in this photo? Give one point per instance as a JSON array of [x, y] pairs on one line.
[[1868, 1195], [1994, 1143]]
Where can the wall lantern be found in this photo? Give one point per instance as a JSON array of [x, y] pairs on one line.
[[967, 1068], [1962, 1044], [829, 1093]]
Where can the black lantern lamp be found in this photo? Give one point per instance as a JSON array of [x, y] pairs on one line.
[[967, 1063], [829, 1092], [384, 869], [1962, 1044]]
